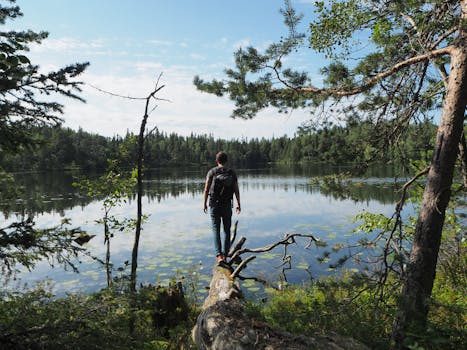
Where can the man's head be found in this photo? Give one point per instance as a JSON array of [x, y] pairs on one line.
[[221, 157]]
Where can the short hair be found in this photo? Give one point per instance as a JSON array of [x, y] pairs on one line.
[[221, 157]]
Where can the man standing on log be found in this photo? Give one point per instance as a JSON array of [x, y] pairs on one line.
[[221, 185]]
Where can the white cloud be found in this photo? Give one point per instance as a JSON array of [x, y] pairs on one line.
[[133, 74], [65, 44], [241, 44], [220, 43], [160, 42], [188, 110], [196, 56], [145, 66], [309, 2]]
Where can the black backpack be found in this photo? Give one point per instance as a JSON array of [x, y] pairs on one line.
[[222, 187]]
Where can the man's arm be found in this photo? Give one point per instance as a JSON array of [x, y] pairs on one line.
[[207, 186], [237, 196]]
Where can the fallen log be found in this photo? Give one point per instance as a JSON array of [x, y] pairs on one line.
[[224, 325]]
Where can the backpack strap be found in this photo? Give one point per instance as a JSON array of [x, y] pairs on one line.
[[214, 171]]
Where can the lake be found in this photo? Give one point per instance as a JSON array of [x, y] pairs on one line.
[[176, 239]]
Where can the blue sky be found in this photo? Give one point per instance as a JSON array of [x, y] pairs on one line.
[[130, 43]]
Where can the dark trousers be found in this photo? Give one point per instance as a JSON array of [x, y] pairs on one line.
[[221, 213]]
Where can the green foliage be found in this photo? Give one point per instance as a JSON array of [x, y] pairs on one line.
[[163, 309], [357, 142], [342, 187], [372, 221], [388, 238], [7, 188], [23, 244], [336, 23], [114, 188], [387, 243], [337, 75], [250, 88], [448, 306], [349, 305], [21, 83], [39, 320], [21, 112], [371, 47], [345, 305], [453, 255]]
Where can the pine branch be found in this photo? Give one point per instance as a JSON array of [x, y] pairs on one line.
[[378, 77]]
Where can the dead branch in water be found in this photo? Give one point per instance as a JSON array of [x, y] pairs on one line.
[[237, 251], [224, 324]]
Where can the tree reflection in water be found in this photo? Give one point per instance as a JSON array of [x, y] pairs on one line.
[[176, 237]]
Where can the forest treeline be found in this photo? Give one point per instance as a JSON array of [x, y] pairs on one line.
[[64, 148]]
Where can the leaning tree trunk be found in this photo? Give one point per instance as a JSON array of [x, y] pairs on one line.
[[421, 268], [223, 324]]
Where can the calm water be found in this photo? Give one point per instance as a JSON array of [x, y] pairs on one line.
[[176, 239]]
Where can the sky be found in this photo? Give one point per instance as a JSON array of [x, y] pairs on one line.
[[130, 43]]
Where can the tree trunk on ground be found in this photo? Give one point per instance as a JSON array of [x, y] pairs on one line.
[[421, 268], [223, 324]]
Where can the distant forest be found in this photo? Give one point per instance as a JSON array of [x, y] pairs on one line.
[[64, 148]]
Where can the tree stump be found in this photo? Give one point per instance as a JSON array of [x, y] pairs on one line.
[[224, 325]]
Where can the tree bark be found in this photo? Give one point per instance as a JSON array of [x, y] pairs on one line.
[[463, 159], [139, 194], [108, 268], [421, 268], [223, 324]]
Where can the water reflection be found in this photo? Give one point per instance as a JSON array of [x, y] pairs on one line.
[[41, 193], [176, 237], [53, 192]]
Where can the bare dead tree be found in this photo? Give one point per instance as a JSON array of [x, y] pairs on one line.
[[139, 164], [139, 190], [148, 109], [237, 251]]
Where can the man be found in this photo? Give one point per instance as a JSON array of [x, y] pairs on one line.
[[221, 185]]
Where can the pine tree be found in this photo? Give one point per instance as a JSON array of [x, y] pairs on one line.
[[21, 83], [415, 67]]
